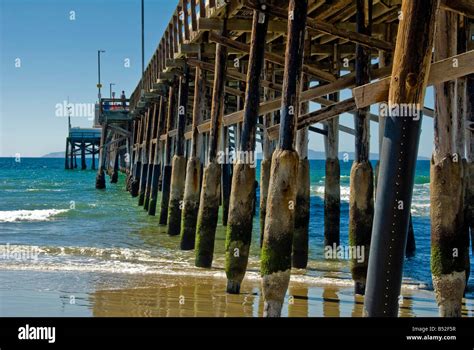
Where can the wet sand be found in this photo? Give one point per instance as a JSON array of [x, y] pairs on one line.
[[120, 295]]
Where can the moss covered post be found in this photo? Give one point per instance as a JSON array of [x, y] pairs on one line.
[[210, 191], [411, 66], [193, 169], [239, 229], [179, 160], [448, 234], [361, 204], [268, 147], [279, 222]]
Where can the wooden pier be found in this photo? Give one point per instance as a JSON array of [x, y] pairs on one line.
[[82, 142], [229, 74]]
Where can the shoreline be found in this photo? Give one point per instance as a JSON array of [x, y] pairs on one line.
[[98, 294]]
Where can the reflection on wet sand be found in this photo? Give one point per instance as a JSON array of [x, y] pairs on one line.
[[183, 296], [331, 307]]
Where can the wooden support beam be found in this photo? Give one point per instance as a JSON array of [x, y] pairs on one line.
[[179, 160], [240, 219], [279, 224], [240, 25], [440, 72], [447, 185], [210, 194], [318, 116], [167, 165], [321, 26], [344, 82], [462, 7], [193, 169], [232, 74], [307, 69]]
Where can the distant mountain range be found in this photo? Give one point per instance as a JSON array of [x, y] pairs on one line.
[[54, 155], [311, 155]]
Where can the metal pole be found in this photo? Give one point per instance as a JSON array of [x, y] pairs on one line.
[[98, 65], [143, 40], [110, 86]]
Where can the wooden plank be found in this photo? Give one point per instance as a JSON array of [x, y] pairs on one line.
[[194, 25], [186, 19], [278, 59], [321, 26], [231, 74], [440, 72], [462, 7], [345, 82], [317, 116], [239, 24], [202, 8]]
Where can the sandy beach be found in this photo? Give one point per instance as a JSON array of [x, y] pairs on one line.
[[26, 293]]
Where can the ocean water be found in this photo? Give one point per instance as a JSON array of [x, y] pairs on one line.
[[61, 224]]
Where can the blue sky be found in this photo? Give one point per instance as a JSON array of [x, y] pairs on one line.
[[59, 60]]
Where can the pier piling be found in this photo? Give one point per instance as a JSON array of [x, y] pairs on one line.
[[210, 191], [100, 178], [332, 183], [448, 234], [361, 205], [279, 222], [411, 65], [157, 160], [167, 164], [299, 258], [137, 164], [268, 147], [239, 230], [179, 160], [193, 169], [144, 155], [151, 154]]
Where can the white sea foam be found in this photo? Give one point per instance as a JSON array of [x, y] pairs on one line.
[[319, 191], [151, 262], [29, 215]]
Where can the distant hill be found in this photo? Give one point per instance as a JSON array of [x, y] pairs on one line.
[[54, 155]]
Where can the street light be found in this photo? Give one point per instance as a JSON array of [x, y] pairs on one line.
[[99, 85], [143, 46], [110, 85]]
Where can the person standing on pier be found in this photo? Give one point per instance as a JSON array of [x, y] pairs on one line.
[[124, 99]]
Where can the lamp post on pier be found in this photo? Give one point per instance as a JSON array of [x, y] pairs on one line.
[[99, 85]]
